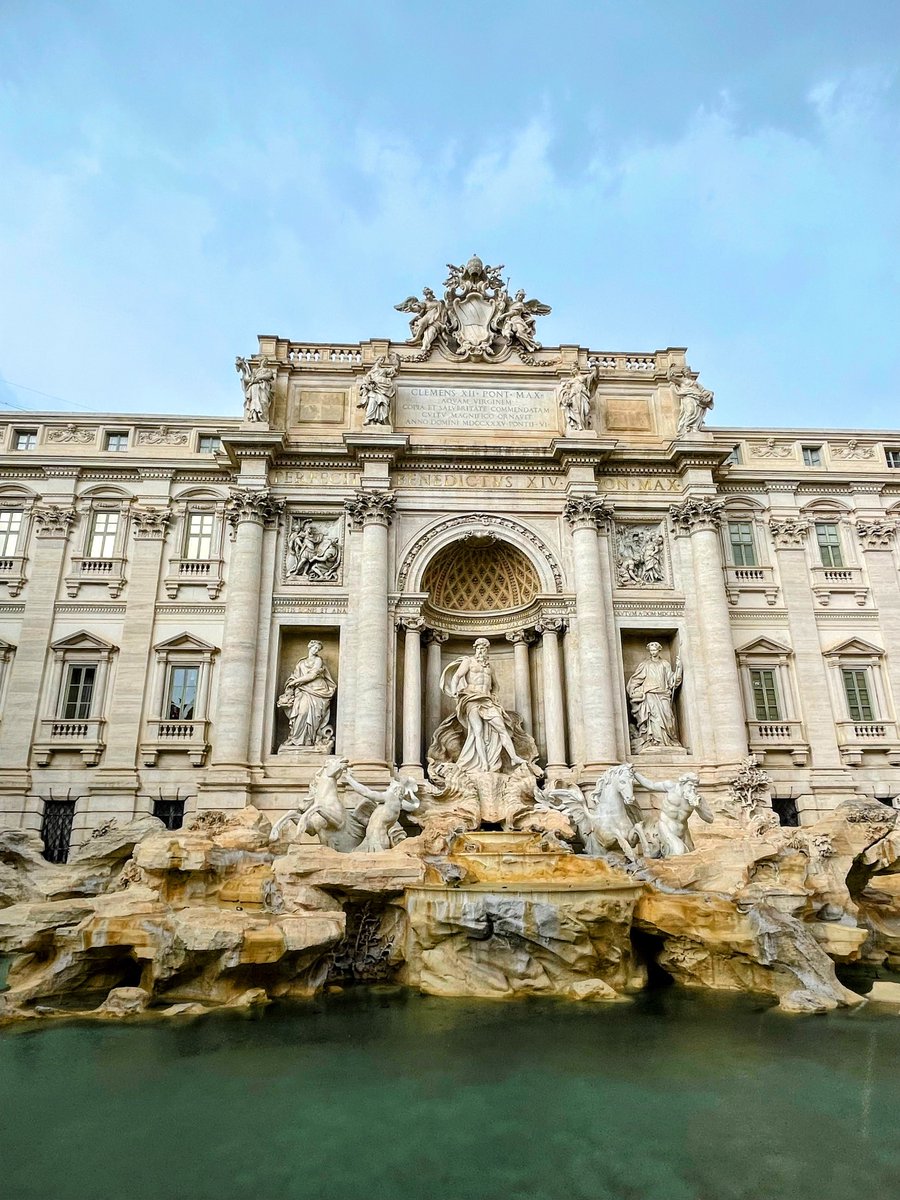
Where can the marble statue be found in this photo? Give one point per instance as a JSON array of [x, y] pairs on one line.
[[313, 555], [694, 400], [383, 830], [517, 320], [428, 321], [574, 396], [258, 383], [680, 800], [651, 691], [324, 815], [377, 389], [306, 700], [608, 817], [471, 682]]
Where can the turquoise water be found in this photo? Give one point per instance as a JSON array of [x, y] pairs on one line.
[[377, 1096]]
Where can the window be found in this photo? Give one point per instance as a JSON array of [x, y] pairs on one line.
[[56, 829], [892, 456], [170, 812], [740, 540], [199, 539], [78, 691], [858, 693], [812, 456], [765, 694], [10, 528], [25, 439], [116, 440], [208, 444], [829, 539], [181, 694], [102, 542]]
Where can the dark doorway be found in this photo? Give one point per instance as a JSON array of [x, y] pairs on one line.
[[170, 812], [56, 829], [786, 809]]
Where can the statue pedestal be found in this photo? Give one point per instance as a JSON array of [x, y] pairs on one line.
[[304, 754]]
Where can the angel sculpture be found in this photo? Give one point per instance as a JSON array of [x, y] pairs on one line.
[[574, 396], [516, 321], [429, 318], [608, 818]]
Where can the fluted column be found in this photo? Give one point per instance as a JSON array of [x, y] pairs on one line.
[[554, 709], [698, 517], [434, 639], [412, 695], [588, 515], [521, 639], [372, 512], [248, 511]]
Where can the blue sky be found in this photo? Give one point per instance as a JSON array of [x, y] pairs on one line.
[[176, 178]]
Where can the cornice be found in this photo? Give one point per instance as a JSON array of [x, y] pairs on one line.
[[189, 610], [649, 607]]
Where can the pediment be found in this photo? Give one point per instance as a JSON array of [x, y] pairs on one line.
[[854, 646], [185, 641], [764, 645], [82, 641]]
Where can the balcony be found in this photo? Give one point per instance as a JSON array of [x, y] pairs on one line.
[[108, 571], [838, 581], [176, 737], [856, 737], [757, 580], [194, 572], [12, 572], [85, 737], [785, 736]]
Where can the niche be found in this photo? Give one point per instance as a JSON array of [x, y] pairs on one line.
[[293, 648], [634, 654]]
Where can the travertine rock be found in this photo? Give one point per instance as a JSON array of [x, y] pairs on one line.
[[124, 1002]]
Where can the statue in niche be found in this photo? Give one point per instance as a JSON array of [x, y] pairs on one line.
[[307, 703], [377, 389], [651, 692], [488, 728], [639, 555], [258, 383], [680, 800], [694, 400], [574, 396], [312, 553]]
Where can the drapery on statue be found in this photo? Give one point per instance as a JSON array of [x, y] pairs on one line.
[[258, 383], [574, 396], [377, 389], [307, 700], [651, 691], [694, 400], [489, 730]]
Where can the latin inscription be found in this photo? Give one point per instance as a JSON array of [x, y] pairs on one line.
[[523, 409], [480, 480]]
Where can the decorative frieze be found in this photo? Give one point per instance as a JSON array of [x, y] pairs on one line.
[[257, 504], [586, 512], [71, 434], [771, 448], [150, 523], [876, 534], [789, 533], [162, 435], [696, 513], [54, 520], [640, 555], [312, 552], [371, 508], [853, 449]]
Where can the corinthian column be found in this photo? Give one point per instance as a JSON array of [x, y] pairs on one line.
[[412, 695], [554, 711], [248, 511], [878, 537], [521, 638], [698, 517], [372, 512], [587, 516], [434, 639]]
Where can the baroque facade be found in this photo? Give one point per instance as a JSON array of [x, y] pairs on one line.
[[199, 610]]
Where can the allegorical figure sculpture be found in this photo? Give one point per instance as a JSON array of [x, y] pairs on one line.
[[680, 799], [517, 320], [471, 682], [428, 320], [574, 396], [258, 383], [307, 701], [312, 554], [383, 830], [651, 692], [694, 400], [377, 389]]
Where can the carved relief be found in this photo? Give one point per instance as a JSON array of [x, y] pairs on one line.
[[312, 551], [789, 534], [150, 523], [853, 449], [876, 535], [771, 449], [74, 434], [161, 436], [53, 520], [640, 555], [370, 508], [696, 513]]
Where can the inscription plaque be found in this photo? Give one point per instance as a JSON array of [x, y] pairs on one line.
[[420, 406]]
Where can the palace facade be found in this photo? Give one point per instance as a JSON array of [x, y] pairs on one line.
[[161, 578]]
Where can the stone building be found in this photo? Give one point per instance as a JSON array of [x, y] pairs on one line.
[[395, 501]]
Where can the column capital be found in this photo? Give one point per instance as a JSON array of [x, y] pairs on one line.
[[521, 636], [588, 512], [695, 513], [54, 520], [252, 504], [551, 625], [876, 534], [150, 523], [789, 533], [370, 508], [412, 623], [435, 637]]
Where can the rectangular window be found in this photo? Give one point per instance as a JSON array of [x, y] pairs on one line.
[[10, 528], [740, 538], [209, 445], [182, 693], [25, 439], [78, 692], [892, 457], [829, 538], [812, 456], [765, 695], [103, 535], [200, 529], [856, 689], [56, 829], [116, 440], [170, 812]]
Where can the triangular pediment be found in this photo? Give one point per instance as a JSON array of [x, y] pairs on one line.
[[764, 645], [82, 641], [854, 645], [185, 641]]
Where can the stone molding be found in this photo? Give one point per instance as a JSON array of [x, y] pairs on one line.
[[588, 512], [246, 504], [150, 523], [696, 513], [789, 533], [54, 520], [876, 535], [371, 508]]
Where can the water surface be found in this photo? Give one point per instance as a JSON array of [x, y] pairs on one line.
[[372, 1096]]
